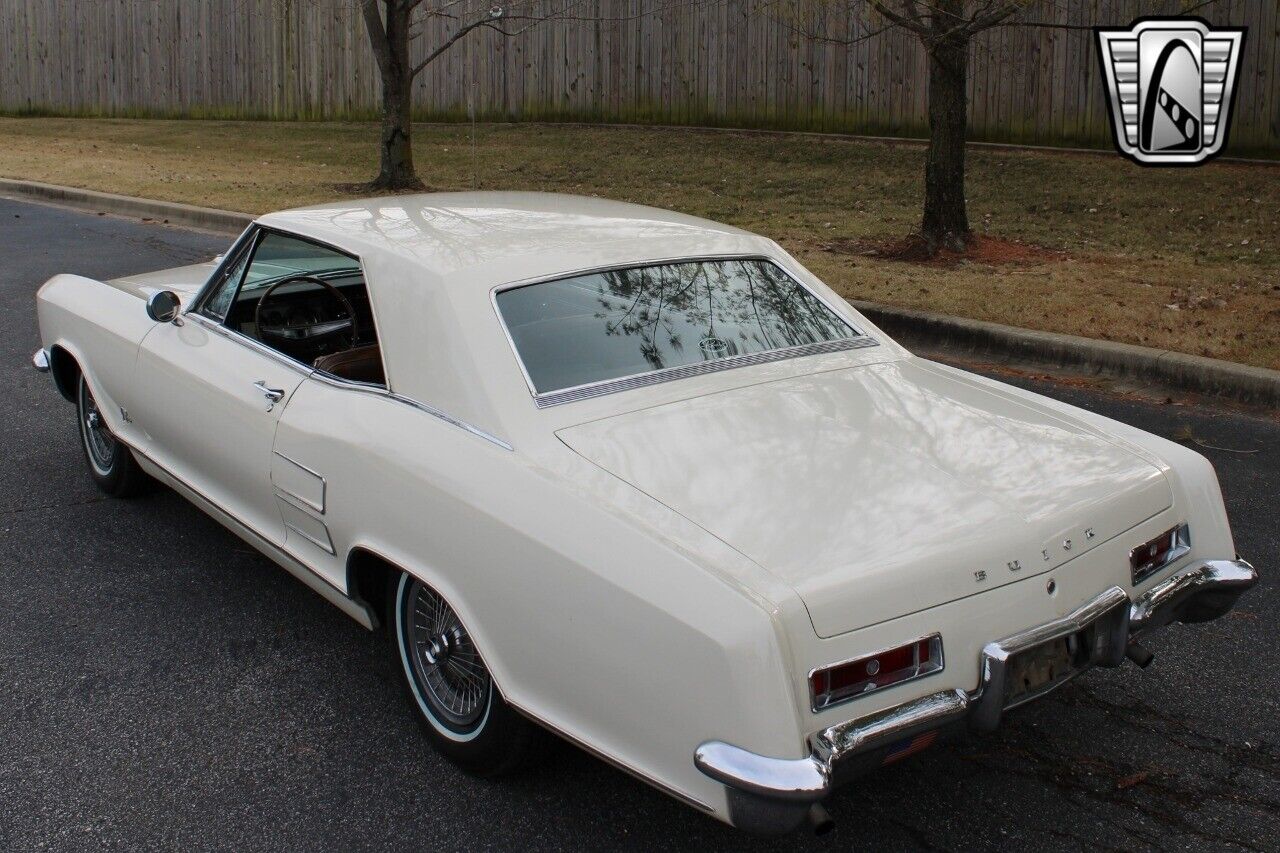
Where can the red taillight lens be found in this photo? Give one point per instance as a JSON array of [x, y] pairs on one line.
[[1150, 557], [849, 680]]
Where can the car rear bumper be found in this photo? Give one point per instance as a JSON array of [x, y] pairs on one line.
[[773, 795]]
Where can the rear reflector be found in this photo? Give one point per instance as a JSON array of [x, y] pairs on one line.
[[1150, 557], [844, 681]]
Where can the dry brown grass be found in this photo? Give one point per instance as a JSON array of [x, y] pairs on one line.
[[1183, 259]]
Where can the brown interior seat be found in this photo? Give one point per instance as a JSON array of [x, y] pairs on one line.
[[361, 364]]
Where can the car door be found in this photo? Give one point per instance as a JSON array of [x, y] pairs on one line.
[[208, 405], [208, 399]]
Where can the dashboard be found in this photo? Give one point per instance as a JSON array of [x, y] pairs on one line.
[[299, 313]]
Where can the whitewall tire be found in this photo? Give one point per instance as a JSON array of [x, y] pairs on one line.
[[449, 687]]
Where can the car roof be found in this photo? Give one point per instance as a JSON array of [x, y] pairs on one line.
[[432, 260], [491, 238]]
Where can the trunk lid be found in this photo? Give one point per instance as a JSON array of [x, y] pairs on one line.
[[881, 490]]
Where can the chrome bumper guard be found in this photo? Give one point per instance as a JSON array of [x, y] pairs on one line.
[[40, 361], [774, 795]]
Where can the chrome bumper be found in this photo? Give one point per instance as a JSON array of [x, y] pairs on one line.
[[774, 795], [40, 361]]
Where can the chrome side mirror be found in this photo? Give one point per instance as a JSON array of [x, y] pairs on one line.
[[163, 306]]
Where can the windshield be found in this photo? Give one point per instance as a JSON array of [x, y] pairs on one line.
[[279, 256], [607, 325]]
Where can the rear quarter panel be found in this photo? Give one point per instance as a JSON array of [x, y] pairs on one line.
[[590, 619]]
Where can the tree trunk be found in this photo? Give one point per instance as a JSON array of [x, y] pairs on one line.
[[946, 222], [395, 170]]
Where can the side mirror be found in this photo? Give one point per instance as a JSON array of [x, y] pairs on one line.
[[163, 306]]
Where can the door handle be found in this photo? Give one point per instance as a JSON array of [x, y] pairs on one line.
[[273, 395]]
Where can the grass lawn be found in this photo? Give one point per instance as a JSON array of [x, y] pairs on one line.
[[1182, 259]]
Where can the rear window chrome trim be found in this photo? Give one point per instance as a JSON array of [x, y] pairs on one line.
[[640, 380], [577, 393]]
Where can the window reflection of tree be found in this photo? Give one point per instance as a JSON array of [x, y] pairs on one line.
[[756, 302]]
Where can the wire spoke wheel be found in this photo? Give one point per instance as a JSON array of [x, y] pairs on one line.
[[449, 677], [98, 440]]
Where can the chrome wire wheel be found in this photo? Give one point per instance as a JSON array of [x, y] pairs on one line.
[[99, 444], [444, 668]]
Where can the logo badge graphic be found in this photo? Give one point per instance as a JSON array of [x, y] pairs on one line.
[[1170, 82]]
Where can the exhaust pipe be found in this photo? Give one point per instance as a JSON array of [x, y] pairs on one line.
[[819, 821]]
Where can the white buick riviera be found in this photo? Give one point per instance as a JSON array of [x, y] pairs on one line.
[[641, 480]]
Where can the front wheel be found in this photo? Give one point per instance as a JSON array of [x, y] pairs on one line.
[[449, 686], [111, 463]]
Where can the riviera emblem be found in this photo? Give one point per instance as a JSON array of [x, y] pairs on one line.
[[1170, 82]]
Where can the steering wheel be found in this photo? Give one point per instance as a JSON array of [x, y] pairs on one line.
[[310, 333]]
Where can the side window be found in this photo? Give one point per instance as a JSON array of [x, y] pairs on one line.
[[304, 300]]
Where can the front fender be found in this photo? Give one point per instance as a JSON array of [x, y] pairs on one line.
[[98, 327]]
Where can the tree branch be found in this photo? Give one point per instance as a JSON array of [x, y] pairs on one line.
[[449, 42], [989, 19], [1049, 25], [916, 24], [492, 20], [377, 35]]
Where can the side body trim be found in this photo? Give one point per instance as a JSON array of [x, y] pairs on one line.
[[613, 762], [362, 387], [324, 485]]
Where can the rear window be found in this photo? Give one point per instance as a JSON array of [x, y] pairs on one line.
[[623, 323]]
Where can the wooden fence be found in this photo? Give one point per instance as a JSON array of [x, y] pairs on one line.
[[745, 63]]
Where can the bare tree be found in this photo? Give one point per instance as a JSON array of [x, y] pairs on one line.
[[946, 29], [390, 24], [395, 26]]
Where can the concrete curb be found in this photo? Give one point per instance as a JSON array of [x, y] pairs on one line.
[[167, 212], [994, 342], [921, 329]]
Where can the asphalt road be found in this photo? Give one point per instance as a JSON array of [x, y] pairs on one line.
[[163, 686]]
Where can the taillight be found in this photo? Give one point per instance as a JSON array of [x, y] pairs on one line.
[[1150, 557], [844, 681]]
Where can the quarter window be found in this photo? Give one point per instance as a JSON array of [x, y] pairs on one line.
[[225, 290]]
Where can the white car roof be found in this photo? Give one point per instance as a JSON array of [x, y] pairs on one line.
[[432, 259], [432, 262], [483, 239]]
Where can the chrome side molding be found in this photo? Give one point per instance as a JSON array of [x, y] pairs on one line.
[[310, 373]]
